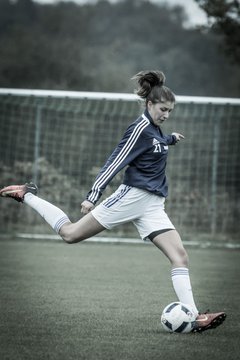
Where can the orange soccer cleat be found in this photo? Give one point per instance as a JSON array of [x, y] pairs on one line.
[[17, 192], [208, 321]]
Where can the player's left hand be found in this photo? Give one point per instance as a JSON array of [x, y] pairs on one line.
[[178, 136], [86, 207]]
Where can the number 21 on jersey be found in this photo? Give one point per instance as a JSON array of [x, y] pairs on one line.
[[157, 148]]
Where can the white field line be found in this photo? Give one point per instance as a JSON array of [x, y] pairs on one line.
[[117, 240]]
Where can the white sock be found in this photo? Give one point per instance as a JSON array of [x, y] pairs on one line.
[[182, 287], [54, 216]]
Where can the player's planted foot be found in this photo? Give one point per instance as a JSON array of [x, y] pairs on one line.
[[17, 192], [209, 321]]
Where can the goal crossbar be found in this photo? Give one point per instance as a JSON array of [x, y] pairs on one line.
[[113, 96]]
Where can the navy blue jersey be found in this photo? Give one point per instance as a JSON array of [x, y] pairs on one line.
[[143, 149]]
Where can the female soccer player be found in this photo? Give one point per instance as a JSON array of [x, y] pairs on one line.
[[139, 199]]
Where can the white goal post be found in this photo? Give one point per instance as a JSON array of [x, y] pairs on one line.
[[62, 138]]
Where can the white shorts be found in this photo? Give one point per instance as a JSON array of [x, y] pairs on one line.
[[129, 204]]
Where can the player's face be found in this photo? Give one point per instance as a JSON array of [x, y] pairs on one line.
[[160, 111]]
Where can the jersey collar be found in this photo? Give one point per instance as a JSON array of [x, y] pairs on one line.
[[148, 116]]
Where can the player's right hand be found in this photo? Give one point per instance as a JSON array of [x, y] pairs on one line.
[[86, 207]]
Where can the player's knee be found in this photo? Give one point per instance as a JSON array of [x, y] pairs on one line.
[[68, 234], [68, 239]]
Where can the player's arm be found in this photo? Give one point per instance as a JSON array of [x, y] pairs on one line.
[[174, 138], [178, 136], [131, 146]]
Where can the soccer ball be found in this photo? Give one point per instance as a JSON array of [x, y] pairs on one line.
[[178, 317]]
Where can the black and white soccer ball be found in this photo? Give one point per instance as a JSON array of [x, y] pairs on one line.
[[178, 317]]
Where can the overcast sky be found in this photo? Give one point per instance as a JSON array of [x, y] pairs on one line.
[[195, 14]]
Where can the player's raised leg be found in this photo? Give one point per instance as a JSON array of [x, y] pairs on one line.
[[70, 232]]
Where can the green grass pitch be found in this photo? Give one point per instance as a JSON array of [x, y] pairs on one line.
[[104, 301]]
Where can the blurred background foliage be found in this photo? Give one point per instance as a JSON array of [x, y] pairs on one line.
[[98, 47], [224, 18]]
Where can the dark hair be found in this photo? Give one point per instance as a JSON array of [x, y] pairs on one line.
[[151, 87]]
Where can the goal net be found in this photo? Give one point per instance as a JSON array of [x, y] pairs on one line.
[[60, 140]]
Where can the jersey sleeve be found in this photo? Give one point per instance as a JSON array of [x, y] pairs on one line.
[[131, 146], [171, 139]]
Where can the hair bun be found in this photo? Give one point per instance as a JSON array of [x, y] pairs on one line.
[[154, 78], [147, 80]]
